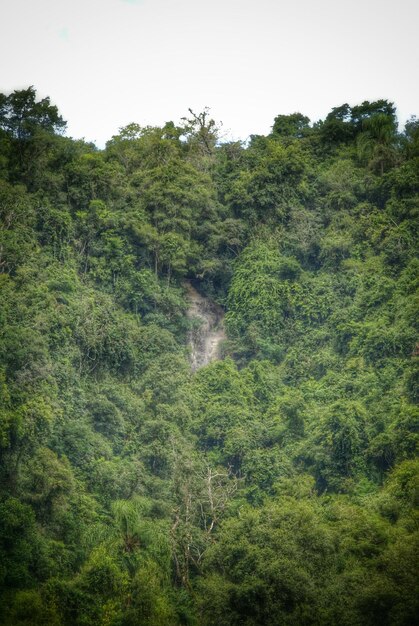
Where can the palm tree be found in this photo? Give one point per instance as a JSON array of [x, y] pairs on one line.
[[376, 143]]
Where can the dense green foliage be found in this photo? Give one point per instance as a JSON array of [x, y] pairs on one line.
[[275, 486]]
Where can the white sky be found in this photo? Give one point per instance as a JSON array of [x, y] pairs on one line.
[[106, 63]]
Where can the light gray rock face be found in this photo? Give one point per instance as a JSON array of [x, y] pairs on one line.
[[208, 332]]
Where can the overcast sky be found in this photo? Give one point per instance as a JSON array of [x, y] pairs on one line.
[[106, 63]]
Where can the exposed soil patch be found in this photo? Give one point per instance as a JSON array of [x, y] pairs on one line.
[[206, 337]]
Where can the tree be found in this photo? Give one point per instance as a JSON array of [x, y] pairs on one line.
[[202, 134], [376, 142], [21, 115], [293, 126], [337, 127], [27, 123]]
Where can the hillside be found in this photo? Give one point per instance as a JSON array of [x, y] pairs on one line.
[[275, 485]]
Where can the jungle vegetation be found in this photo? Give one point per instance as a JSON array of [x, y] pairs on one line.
[[276, 486]]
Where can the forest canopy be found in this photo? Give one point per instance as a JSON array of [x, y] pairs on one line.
[[277, 485]]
